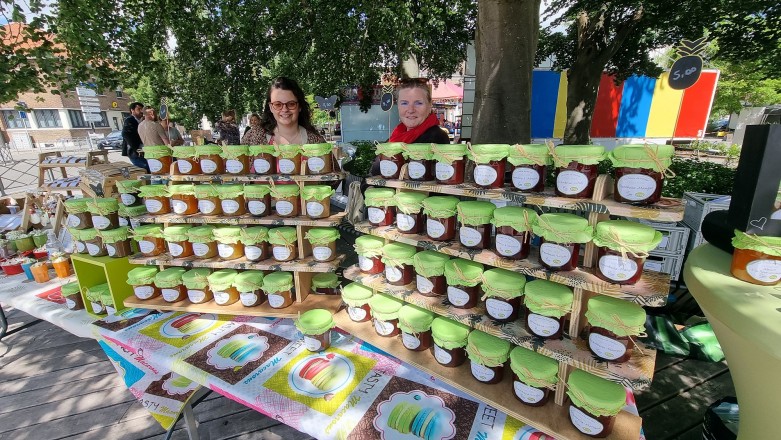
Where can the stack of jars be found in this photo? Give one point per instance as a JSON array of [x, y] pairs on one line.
[[107, 237]]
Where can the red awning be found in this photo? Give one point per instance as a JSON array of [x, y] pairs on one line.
[[447, 90]]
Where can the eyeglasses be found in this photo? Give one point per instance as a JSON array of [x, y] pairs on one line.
[[277, 105]]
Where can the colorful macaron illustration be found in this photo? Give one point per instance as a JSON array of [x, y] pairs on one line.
[[408, 418], [178, 385], [414, 415], [322, 373], [237, 351]]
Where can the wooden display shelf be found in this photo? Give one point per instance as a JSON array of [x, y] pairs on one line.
[[270, 220], [220, 178], [551, 418], [651, 290], [307, 264], [92, 271]]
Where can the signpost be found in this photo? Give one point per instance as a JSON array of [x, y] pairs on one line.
[[90, 105]]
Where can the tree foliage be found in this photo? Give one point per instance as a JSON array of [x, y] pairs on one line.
[[741, 85], [750, 31]]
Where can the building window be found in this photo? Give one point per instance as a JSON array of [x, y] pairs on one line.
[[77, 120], [12, 119], [47, 118], [103, 120], [119, 93]]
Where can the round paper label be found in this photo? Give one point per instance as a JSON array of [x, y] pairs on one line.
[[143, 292], [175, 249], [248, 299], [766, 271], [170, 295], [261, 166], [221, 297], [97, 308], [605, 347], [73, 221], [284, 207], [584, 422], [424, 285], [392, 273], [469, 236], [507, 245], [184, 166], [571, 182], [485, 175], [366, 264], [481, 372], [229, 206], [286, 166], [376, 215], [636, 186], [154, 165], [224, 250], [252, 252], [617, 268], [123, 222], [410, 341], [314, 209], [99, 222], [280, 253], [70, 303], [111, 250], [276, 301], [93, 249], [206, 206], [196, 296], [525, 178], [234, 166], [526, 393], [256, 207], [127, 199], [456, 296], [405, 222], [442, 356], [321, 253], [80, 246], [179, 206], [315, 164], [434, 228], [312, 344], [498, 309], [416, 170], [388, 168], [444, 171], [200, 249], [356, 313], [153, 206], [208, 166], [554, 255], [134, 223], [383, 328], [542, 325]]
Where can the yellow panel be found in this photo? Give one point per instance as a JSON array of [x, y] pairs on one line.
[[561, 107], [665, 105]]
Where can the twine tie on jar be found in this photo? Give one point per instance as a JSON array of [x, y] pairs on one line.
[[563, 309], [552, 150], [617, 322], [368, 253], [484, 359], [585, 402], [465, 218], [406, 324], [562, 237], [522, 152], [534, 381], [449, 157], [477, 279], [624, 247], [501, 293], [201, 279], [666, 172], [287, 243], [757, 239]]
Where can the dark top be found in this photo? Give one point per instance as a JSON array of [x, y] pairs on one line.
[[434, 134], [131, 141]]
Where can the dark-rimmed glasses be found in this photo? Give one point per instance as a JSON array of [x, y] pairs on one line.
[[290, 105]]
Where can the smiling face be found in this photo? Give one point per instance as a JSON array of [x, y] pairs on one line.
[[414, 106], [285, 116], [254, 121]]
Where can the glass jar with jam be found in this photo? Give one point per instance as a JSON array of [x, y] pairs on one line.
[[129, 215], [221, 285], [104, 213], [623, 247], [117, 242], [258, 198], [325, 284], [208, 199], [128, 192], [440, 214], [150, 240], [513, 231], [262, 160], [284, 243], [232, 201], [385, 314], [548, 306], [420, 162], [318, 158], [255, 240], [430, 273], [409, 212], [78, 244], [449, 167], [490, 161], [562, 235], [71, 292], [529, 166], [391, 159], [640, 171], [369, 250], [315, 325], [380, 206], [475, 220], [463, 279], [142, 279], [186, 160], [210, 159], [317, 200], [323, 242], [79, 216], [169, 281], [94, 296], [286, 199], [487, 356], [203, 241], [594, 403], [93, 242], [288, 159], [197, 283], [503, 290], [534, 376], [397, 258], [156, 199], [229, 246], [613, 323], [577, 168], [183, 200], [249, 283], [756, 259], [450, 339], [279, 289], [159, 159], [236, 159], [357, 297], [415, 326], [177, 237]]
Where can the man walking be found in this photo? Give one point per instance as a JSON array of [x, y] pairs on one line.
[[131, 145]]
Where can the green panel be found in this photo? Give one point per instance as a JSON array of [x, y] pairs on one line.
[[91, 271]]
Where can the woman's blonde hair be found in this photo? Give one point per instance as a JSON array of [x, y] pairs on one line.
[[416, 83]]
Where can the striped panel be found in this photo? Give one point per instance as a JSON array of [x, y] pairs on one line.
[[561, 108], [635, 106], [696, 105], [545, 86], [664, 109], [605, 119]]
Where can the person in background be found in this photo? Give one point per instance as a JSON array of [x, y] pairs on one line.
[[418, 124], [229, 131], [151, 132], [174, 136], [131, 141], [253, 135], [286, 115]]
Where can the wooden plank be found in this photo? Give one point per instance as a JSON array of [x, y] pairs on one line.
[[60, 391], [270, 220], [220, 178], [22, 368], [679, 379], [301, 265], [56, 352], [86, 369]]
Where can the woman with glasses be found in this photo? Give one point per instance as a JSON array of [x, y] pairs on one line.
[[418, 124], [286, 116], [229, 131]]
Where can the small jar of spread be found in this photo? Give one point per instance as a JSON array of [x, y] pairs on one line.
[[262, 160], [594, 403], [562, 235], [316, 325], [409, 212], [143, 281], [440, 217], [169, 281], [415, 326], [93, 243], [284, 243], [71, 292], [577, 168], [236, 158], [258, 198], [318, 158], [450, 339], [156, 199], [249, 283], [503, 290], [221, 285], [623, 247], [513, 231], [229, 246], [79, 216], [202, 239], [288, 158], [117, 242], [104, 213], [197, 283], [183, 200], [317, 200], [186, 160], [357, 296], [450, 163], [128, 192], [108, 301], [756, 259], [323, 242], [380, 206], [177, 237], [325, 284], [490, 161], [640, 172], [534, 376], [286, 199], [391, 159], [232, 201], [208, 199], [385, 314], [430, 273], [150, 240], [529, 166], [548, 307], [397, 258], [475, 220], [129, 215], [255, 240], [420, 162], [487, 356], [279, 289], [94, 296], [210, 159], [463, 279], [78, 244], [369, 250], [612, 324], [159, 159]]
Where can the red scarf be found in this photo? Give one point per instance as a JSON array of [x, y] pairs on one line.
[[402, 134]]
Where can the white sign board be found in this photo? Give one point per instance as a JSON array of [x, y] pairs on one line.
[[92, 117], [89, 101], [83, 91], [90, 109]]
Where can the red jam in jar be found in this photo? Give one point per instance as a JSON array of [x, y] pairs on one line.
[[357, 296], [548, 307], [612, 325], [391, 159], [369, 250], [533, 376], [502, 291], [513, 231], [489, 164], [640, 172], [559, 256], [475, 219], [577, 168], [463, 279], [380, 206], [487, 355], [398, 259], [623, 246], [440, 217], [562, 235], [592, 419], [529, 178], [409, 212], [528, 165], [385, 313], [450, 163], [430, 273], [420, 166], [450, 339]]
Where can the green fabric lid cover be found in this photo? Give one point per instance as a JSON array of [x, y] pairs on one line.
[[314, 150], [327, 280], [417, 151], [484, 153], [256, 150], [156, 151], [227, 234], [234, 151], [155, 231], [287, 151], [317, 192], [563, 228], [520, 219], [356, 294], [278, 282], [187, 189], [248, 281], [475, 212], [487, 350], [315, 322], [76, 206], [95, 293], [254, 235], [767, 245], [410, 202], [440, 206], [105, 297], [599, 397], [448, 153], [460, 272], [449, 334], [652, 157], [583, 154], [142, 275], [170, 277], [197, 278], [114, 235], [208, 150], [284, 236], [502, 283], [389, 148], [256, 191], [398, 254], [414, 319], [369, 246], [133, 211], [430, 263], [88, 234], [75, 233], [547, 298], [230, 191], [529, 154], [153, 191], [621, 317], [201, 234], [103, 206], [635, 239], [222, 279], [183, 152], [205, 190], [533, 368], [285, 191], [70, 289], [322, 236], [385, 307], [128, 186], [379, 197], [177, 232]]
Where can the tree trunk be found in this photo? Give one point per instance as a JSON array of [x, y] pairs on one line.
[[582, 86], [506, 41]]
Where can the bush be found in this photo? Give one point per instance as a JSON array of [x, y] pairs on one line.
[[361, 163], [693, 175]]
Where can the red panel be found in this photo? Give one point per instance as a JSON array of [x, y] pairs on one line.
[[696, 106], [606, 109]]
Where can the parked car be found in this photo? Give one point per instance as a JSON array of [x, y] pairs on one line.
[[111, 142]]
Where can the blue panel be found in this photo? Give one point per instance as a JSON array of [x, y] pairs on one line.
[[130, 373], [545, 92], [635, 106]]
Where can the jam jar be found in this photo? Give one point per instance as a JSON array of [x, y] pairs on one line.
[[380, 206], [104, 213], [450, 163], [577, 168], [288, 159], [623, 247], [357, 296], [640, 172], [487, 356], [279, 289], [128, 192], [391, 159], [409, 212], [156, 199], [78, 244], [502, 294], [513, 231], [317, 200], [283, 242], [490, 161], [475, 219], [548, 306], [369, 250], [463, 279], [594, 403], [232, 200], [415, 326], [385, 314], [325, 284], [262, 160], [397, 258], [756, 260], [79, 216], [117, 242], [93, 243], [203, 241], [450, 339], [318, 158], [612, 324], [534, 376], [315, 325], [197, 283], [169, 281], [177, 237], [236, 159], [158, 158], [142, 279], [208, 199], [210, 158], [249, 283], [255, 240], [221, 285], [72, 295], [183, 200], [323, 242], [430, 273], [186, 160], [562, 235], [529, 166], [258, 198], [150, 240], [420, 162], [94, 296], [286, 199], [440, 217], [229, 246]]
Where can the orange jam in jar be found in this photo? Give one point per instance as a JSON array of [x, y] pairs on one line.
[[323, 242], [183, 200], [756, 259], [284, 242], [210, 159], [128, 192], [150, 240], [229, 246], [159, 159], [255, 240], [288, 159], [286, 199], [279, 289], [197, 283], [232, 201], [317, 200], [258, 198], [221, 285], [236, 159], [186, 161], [169, 281], [156, 199], [179, 245], [262, 160], [318, 158], [208, 199], [203, 242]]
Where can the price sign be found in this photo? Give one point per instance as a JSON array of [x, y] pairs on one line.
[[686, 70]]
